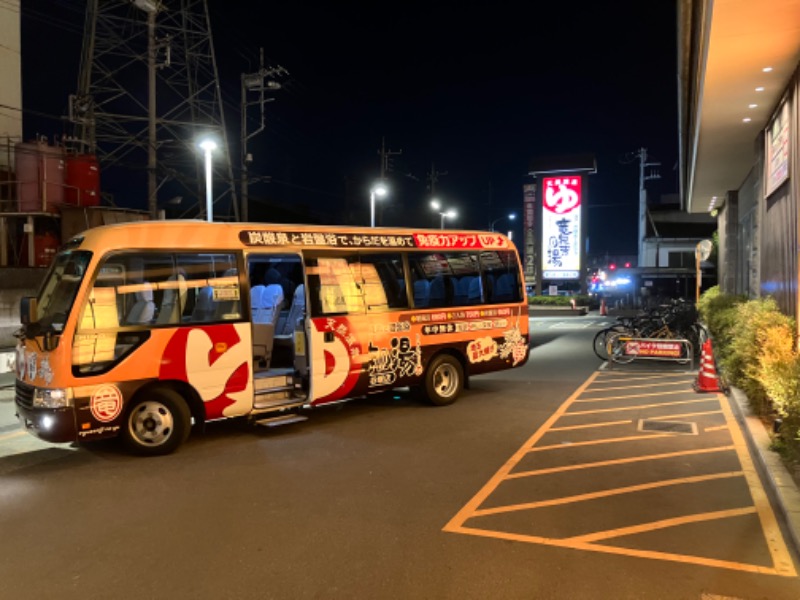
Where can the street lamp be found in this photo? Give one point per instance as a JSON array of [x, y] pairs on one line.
[[444, 214], [510, 217], [208, 146], [379, 190]]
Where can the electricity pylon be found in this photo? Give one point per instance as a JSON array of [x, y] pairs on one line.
[[148, 89]]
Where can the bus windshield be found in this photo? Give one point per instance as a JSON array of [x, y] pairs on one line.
[[60, 287]]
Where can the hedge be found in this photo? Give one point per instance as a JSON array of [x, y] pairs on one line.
[[756, 347]]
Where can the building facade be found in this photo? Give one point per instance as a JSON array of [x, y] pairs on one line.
[[739, 94]]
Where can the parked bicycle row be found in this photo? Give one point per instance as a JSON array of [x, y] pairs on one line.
[[669, 331]]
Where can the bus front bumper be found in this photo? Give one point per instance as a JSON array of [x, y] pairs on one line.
[[56, 425]]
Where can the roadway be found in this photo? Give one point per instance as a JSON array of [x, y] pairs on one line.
[[561, 479]]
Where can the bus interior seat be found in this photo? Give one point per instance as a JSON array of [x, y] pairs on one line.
[[144, 308], [474, 293], [263, 334], [296, 310], [272, 302], [173, 302], [462, 289], [504, 291], [421, 291], [441, 291], [257, 308], [204, 305]]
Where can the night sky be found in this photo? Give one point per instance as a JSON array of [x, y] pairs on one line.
[[478, 89]]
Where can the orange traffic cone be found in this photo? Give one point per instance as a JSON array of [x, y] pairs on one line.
[[707, 380], [603, 308]]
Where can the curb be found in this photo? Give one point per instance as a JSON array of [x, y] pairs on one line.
[[776, 477]]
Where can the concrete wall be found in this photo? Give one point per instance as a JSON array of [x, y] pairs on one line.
[[16, 283]]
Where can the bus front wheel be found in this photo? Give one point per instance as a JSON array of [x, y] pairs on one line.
[[444, 380], [157, 423]]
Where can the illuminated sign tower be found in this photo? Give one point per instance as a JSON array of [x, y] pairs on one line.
[[560, 252]]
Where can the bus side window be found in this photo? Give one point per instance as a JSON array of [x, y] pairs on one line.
[[212, 291], [500, 273], [382, 282], [443, 280]]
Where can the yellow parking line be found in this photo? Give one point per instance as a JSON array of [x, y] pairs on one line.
[[469, 508], [607, 398], [630, 438], [777, 547], [644, 385], [782, 561], [609, 378], [590, 425], [13, 434], [605, 493], [651, 554], [638, 407], [617, 461], [717, 428], [663, 524], [682, 415]]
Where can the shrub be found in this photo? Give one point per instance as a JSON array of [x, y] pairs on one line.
[[741, 363], [756, 347]]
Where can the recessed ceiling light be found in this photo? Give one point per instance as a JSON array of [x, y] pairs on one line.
[[746, 120], [767, 69], [760, 89]]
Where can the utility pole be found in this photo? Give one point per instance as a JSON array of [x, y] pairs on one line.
[[433, 179], [259, 82], [644, 176], [386, 156]]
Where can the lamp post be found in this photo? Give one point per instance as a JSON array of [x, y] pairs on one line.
[[510, 217], [208, 146], [444, 214], [380, 190]]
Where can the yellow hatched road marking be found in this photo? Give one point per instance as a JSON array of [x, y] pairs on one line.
[[605, 493], [782, 561], [590, 425], [632, 387], [663, 524], [651, 554], [470, 507], [607, 398], [638, 407], [630, 438], [693, 414], [616, 461], [717, 428], [609, 378]]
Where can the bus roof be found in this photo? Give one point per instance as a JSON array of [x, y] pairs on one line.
[[200, 235]]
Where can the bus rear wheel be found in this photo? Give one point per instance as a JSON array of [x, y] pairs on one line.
[[157, 423], [444, 380]]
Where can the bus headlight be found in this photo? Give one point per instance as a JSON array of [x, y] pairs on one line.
[[51, 398]]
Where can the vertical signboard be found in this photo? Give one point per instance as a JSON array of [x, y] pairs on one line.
[[529, 233], [778, 149], [561, 227]]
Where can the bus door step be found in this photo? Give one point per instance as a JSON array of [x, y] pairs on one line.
[[281, 420]]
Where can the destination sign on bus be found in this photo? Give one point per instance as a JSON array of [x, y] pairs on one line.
[[349, 240]]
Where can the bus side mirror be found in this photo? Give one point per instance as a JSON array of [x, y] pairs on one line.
[[27, 310]]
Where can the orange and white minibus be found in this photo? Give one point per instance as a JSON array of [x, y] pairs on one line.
[[142, 329]]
